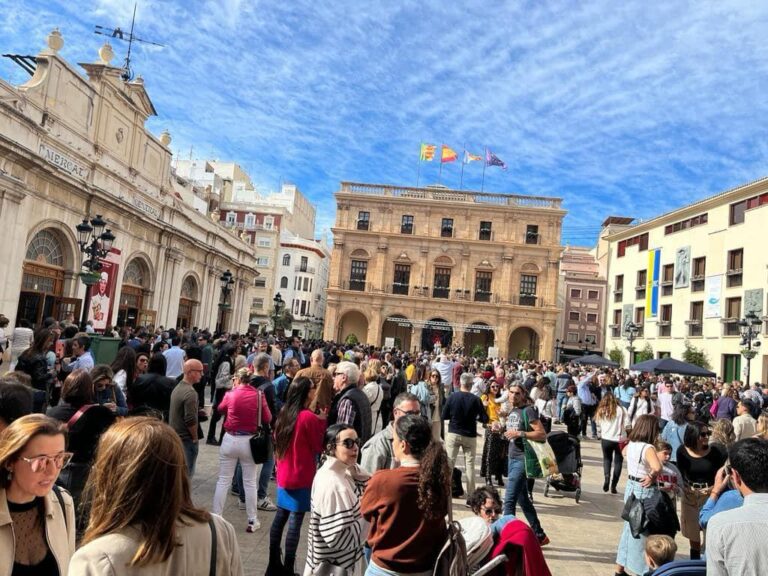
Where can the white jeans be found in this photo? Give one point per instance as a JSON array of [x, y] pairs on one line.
[[232, 449]]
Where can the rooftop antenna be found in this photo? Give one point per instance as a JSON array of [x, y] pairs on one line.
[[119, 34]]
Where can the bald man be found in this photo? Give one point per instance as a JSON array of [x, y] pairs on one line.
[[321, 378], [183, 411]]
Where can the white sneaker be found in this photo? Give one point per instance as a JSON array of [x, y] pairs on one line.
[[240, 505], [253, 525], [266, 504]]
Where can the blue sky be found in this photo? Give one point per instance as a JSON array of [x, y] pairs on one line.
[[620, 108]]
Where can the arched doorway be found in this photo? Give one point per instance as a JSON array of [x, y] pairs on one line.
[[187, 303], [436, 332], [400, 328], [42, 284], [353, 323], [136, 281], [478, 335], [524, 344]]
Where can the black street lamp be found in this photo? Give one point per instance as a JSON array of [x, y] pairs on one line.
[[749, 326], [558, 349], [585, 345], [632, 330], [227, 281], [279, 304], [95, 243]]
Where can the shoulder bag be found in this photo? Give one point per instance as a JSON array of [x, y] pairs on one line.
[[452, 558], [261, 442], [77, 415], [634, 511], [539, 458], [623, 432]]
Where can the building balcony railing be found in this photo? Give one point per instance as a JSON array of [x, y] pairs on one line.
[[447, 195], [439, 292], [527, 300], [357, 285], [454, 295], [305, 269]]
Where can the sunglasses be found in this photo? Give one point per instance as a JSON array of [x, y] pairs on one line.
[[40, 463], [705, 434], [491, 511], [409, 412], [350, 443]]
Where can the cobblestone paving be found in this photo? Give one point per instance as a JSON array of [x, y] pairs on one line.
[[583, 536]]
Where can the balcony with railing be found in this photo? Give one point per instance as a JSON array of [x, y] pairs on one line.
[[305, 269], [357, 285], [527, 300], [440, 292], [448, 195]]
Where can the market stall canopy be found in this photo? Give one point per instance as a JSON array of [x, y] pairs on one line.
[[671, 366], [595, 360]]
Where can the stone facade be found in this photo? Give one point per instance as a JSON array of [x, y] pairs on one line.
[[711, 272], [415, 267], [74, 147]]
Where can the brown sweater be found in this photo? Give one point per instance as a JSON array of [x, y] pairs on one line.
[[324, 384], [402, 539]]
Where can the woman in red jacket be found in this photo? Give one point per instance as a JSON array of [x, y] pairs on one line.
[[298, 442]]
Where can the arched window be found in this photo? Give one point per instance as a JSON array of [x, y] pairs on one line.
[[134, 273], [45, 248], [189, 288], [284, 282], [287, 260]]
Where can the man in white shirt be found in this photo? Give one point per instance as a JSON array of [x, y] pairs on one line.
[[736, 538], [174, 358], [445, 367]]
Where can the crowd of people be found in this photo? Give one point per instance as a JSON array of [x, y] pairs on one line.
[[364, 440]]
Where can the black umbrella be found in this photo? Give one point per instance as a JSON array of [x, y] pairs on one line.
[[671, 366], [595, 360]]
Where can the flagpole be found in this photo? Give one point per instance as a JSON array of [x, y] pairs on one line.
[[418, 169], [440, 173], [482, 186], [464, 154]]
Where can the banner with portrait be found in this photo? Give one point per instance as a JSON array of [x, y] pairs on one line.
[[713, 288], [682, 267], [103, 292]]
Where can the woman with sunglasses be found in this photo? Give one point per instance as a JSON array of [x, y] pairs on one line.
[[698, 463], [37, 518], [337, 529], [493, 461]]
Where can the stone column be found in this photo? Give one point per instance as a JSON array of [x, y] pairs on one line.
[[12, 193], [506, 288], [174, 258], [331, 328], [374, 326]]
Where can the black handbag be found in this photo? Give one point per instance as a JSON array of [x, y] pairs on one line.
[[661, 514], [634, 514], [261, 442]]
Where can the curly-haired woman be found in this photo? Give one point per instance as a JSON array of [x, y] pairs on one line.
[[406, 506]]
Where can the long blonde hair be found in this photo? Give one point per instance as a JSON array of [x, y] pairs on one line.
[[18, 434], [140, 479], [372, 371], [607, 408], [762, 426]]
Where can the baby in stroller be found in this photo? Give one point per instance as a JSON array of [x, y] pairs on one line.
[[567, 449]]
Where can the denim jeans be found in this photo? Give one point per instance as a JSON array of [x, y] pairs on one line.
[[517, 491], [190, 455], [561, 400], [266, 474]]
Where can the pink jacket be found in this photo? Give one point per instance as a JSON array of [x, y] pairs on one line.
[[296, 469], [239, 406]]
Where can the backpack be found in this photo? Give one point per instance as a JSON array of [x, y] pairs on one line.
[[452, 559], [660, 514]]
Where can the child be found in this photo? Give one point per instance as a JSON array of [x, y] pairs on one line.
[[659, 549], [670, 480]]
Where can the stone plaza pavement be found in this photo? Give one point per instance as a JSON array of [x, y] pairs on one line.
[[583, 536]]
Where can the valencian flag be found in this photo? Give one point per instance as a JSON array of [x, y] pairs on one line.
[[471, 157], [427, 152], [492, 160], [447, 154]]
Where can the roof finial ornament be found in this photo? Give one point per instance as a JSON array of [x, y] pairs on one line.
[[106, 54], [55, 40], [165, 138]]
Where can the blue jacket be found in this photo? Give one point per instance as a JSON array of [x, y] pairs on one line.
[[728, 500]]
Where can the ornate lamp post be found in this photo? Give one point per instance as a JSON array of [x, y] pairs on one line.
[[227, 281], [558, 349], [95, 243], [750, 331], [585, 346], [631, 329], [279, 304]]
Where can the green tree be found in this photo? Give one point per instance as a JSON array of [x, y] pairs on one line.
[[478, 351], [351, 340], [645, 354], [694, 355], [283, 322], [617, 355], [523, 354]]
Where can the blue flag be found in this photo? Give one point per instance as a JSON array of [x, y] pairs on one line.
[[492, 160]]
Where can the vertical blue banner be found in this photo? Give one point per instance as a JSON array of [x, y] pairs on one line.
[[652, 286]]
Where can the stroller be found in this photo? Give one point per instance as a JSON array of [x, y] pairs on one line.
[[567, 451]]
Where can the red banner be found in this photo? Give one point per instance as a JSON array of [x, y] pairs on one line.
[[103, 292]]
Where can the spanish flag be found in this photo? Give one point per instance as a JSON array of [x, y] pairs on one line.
[[447, 154], [427, 152]]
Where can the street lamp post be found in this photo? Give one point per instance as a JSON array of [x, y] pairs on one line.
[[558, 349], [95, 243], [584, 345], [279, 304], [749, 326], [631, 329], [227, 280]]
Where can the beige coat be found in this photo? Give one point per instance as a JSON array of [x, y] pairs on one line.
[[111, 555], [59, 533]]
